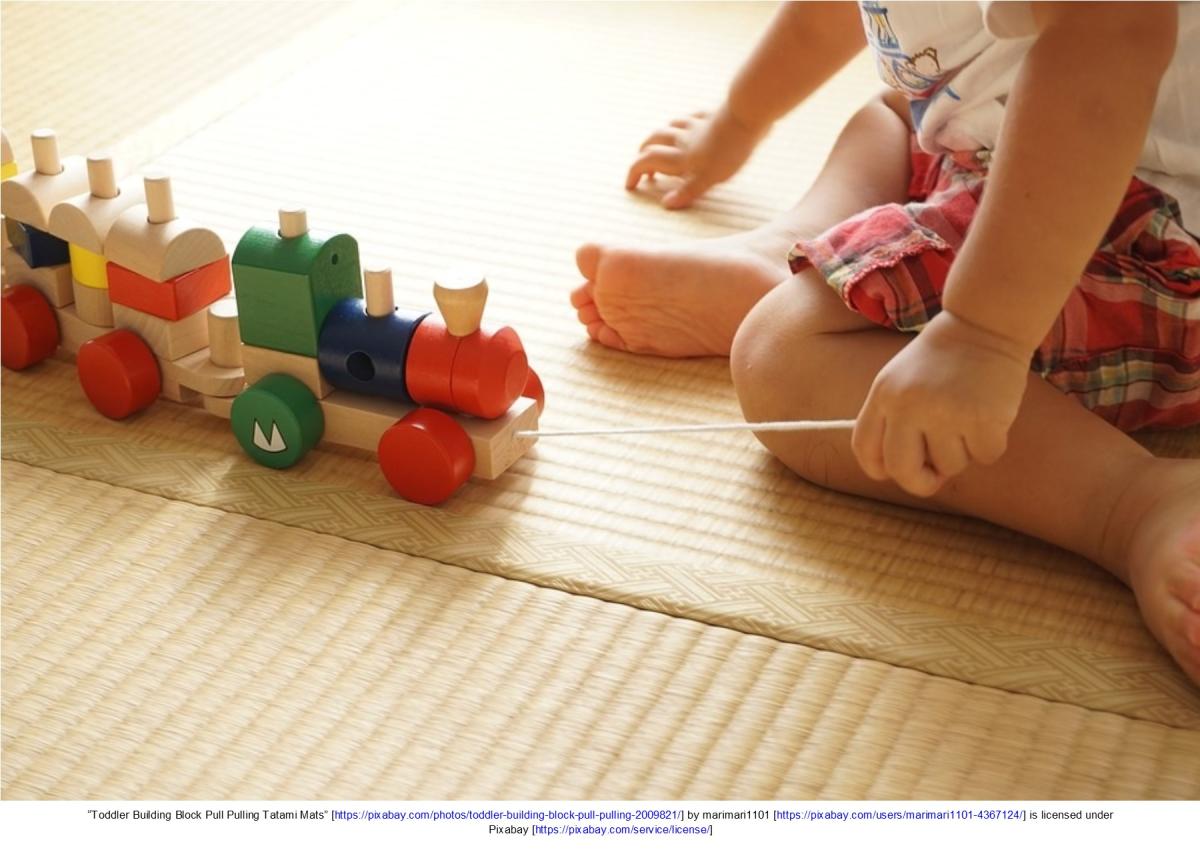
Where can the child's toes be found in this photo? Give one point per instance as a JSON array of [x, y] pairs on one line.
[[605, 335], [587, 259], [588, 313], [582, 295]]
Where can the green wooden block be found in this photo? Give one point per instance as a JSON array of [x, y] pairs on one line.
[[286, 287], [275, 310]]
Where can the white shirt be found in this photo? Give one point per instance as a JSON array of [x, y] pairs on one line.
[[957, 62]]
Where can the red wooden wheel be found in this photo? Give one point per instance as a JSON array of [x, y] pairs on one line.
[[426, 456], [28, 329], [119, 373]]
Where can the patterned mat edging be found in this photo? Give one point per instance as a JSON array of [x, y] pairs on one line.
[[966, 652]]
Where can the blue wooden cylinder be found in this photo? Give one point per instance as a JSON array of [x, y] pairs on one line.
[[366, 354]]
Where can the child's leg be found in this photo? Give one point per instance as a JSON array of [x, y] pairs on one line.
[[688, 300], [1068, 477]]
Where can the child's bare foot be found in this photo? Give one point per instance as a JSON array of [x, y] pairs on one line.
[[1164, 563], [676, 301]]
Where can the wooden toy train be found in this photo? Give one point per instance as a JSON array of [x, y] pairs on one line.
[[108, 272]]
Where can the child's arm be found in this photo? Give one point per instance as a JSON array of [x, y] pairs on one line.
[[805, 44], [1075, 124]]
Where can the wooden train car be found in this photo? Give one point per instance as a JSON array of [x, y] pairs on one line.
[[302, 353]]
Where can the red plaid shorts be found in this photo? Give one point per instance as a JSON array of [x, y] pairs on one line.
[[1127, 342]]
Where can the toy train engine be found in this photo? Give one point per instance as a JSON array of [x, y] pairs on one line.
[[323, 361], [106, 271]]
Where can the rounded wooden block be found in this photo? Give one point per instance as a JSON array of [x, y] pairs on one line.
[[160, 201], [490, 373], [86, 219], [431, 363], [119, 373], [461, 297], [6, 154], [378, 285], [28, 329], [534, 390], [160, 251], [277, 421], [426, 456], [224, 340], [102, 177], [45, 152], [30, 196]]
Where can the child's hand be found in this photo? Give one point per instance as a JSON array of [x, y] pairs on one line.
[[704, 149], [946, 401]]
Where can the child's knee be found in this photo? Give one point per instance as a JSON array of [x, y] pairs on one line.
[[770, 367], [780, 353]]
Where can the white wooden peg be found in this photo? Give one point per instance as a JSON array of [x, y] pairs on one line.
[[460, 297], [380, 298], [224, 340], [45, 152], [293, 222], [102, 177], [160, 202]]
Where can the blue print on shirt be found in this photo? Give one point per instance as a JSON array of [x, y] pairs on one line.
[[917, 76]]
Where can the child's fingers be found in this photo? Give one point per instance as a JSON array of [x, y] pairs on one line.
[[683, 196], [987, 444], [948, 453], [655, 159], [664, 136], [684, 123], [905, 457], [866, 440]]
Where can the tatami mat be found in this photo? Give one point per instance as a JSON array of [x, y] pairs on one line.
[[134, 77], [387, 676], [498, 135]]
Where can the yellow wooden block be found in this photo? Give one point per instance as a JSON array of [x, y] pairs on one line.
[[260, 362], [93, 305], [169, 340], [88, 267], [9, 169]]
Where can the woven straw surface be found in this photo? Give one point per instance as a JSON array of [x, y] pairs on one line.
[[382, 675], [503, 144]]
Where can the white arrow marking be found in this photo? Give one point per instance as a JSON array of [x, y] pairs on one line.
[[275, 444]]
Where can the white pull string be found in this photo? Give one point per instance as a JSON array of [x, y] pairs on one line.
[[791, 425]]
